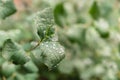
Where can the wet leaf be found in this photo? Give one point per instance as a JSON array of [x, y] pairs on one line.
[[44, 20], [49, 53]]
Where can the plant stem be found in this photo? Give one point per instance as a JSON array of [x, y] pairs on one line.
[[35, 46]]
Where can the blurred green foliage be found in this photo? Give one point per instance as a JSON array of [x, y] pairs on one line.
[[89, 30]]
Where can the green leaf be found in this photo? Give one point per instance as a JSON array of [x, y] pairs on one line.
[[7, 8], [93, 39], [102, 27], [49, 53], [60, 14], [95, 11], [76, 33], [13, 34], [8, 69], [66, 66], [3, 37], [106, 8], [31, 67], [13, 51], [44, 20]]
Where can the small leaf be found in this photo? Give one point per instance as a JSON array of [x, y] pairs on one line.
[[3, 37], [13, 34], [13, 51], [8, 69], [60, 14], [7, 8], [102, 27], [44, 21], [66, 66], [31, 67], [93, 39], [76, 33], [95, 11], [49, 53]]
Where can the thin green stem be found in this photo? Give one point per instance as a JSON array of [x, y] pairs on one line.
[[35, 46]]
